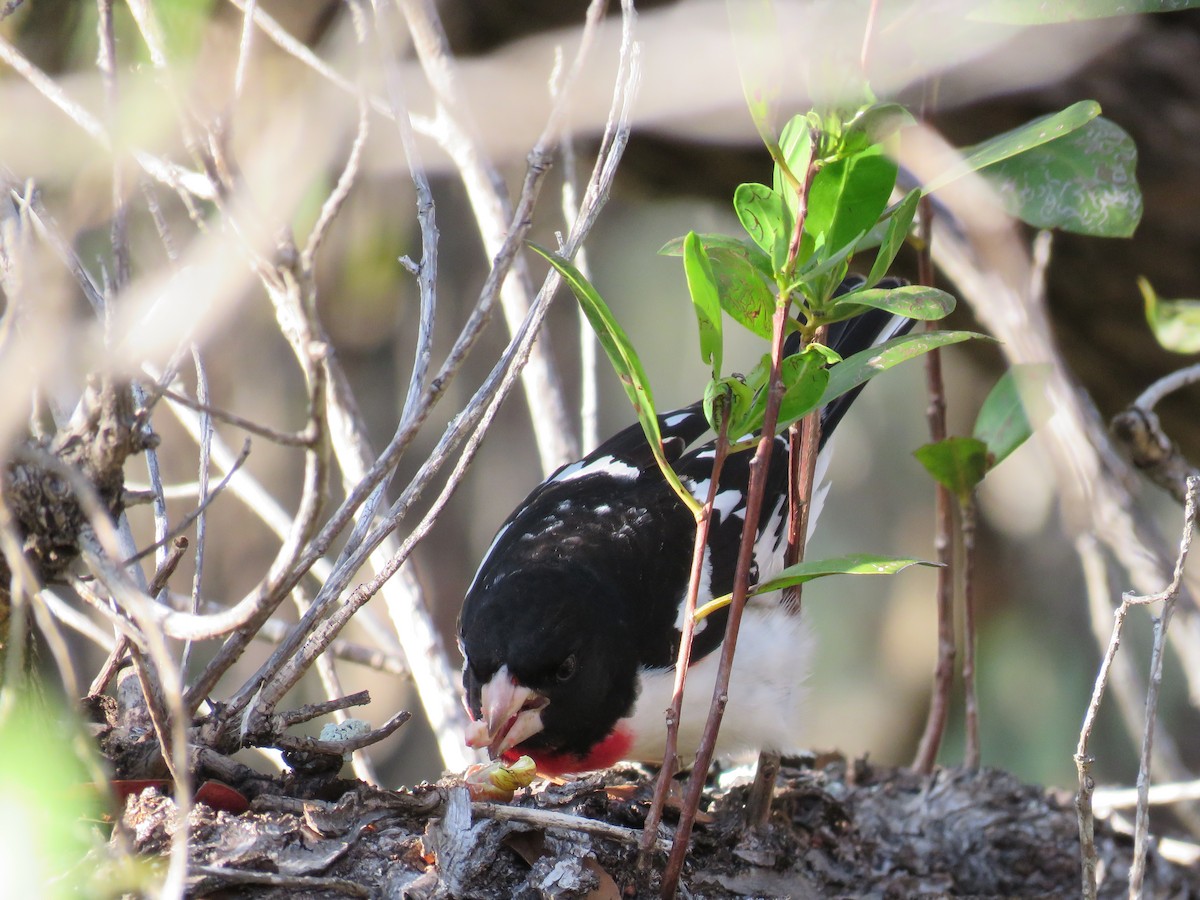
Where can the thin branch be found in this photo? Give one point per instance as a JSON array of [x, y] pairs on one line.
[[186, 522], [1169, 599], [670, 762]]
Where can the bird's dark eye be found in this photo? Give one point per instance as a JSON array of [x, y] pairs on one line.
[[566, 670]]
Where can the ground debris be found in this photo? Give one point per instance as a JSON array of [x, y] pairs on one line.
[[837, 831]]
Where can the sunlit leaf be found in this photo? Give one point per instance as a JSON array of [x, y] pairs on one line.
[[804, 379], [851, 564], [724, 244], [1175, 323], [865, 365], [1002, 423], [916, 301], [898, 225], [847, 198], [1019, 140], [625, 363], [1024, 12], [706, 301], [1085, 182], [957, 463], [766, 218], [874, 124], [796, 147]]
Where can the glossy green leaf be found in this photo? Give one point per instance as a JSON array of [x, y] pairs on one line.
[[916, 301], [957, 463], [706, 301], [865, 365], [724, 244], [1024, 12], [1085, 182], [795, 144], [625, 363], [803, 572], [729, 396], [1002, 424], [804, 380], [1175, 323], [847, 199], [766, 218], [898, 225], [745, 294], [874, 124], [1019, 140]]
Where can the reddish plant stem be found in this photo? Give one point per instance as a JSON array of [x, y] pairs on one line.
[[973, 753], [741, 589], [741, 579], [943, 676], [670, 755], [804, 442]]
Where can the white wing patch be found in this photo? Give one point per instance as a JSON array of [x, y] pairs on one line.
[[605, 465]]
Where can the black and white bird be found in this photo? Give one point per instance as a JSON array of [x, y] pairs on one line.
[[571, 626]]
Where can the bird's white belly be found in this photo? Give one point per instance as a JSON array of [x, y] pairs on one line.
[[766, 691]]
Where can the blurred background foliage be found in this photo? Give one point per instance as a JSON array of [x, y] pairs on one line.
[[876, 636]]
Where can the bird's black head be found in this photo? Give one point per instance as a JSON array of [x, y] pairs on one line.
[[552, 641]]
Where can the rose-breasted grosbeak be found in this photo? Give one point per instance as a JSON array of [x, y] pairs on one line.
[[571, 626]]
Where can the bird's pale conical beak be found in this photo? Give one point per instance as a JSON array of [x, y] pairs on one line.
[[512, 713]]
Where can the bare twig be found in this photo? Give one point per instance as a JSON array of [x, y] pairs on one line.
[[349, 745], [549, 819], [1169, 598]]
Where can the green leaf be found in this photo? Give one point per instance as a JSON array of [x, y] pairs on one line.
[[744, 292], [865, 365], [847, 199], [729, 396], [1175, 323], [765, 216], [796, 147], [916, 301], [1019, 140], [898, 225], [804, 379], [874, 124], [1002, 424], [800, 573], [625, 363], [724, 244], [957, 463], [706, 301], [1085, 182], [743, 275], [1023, 12]]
